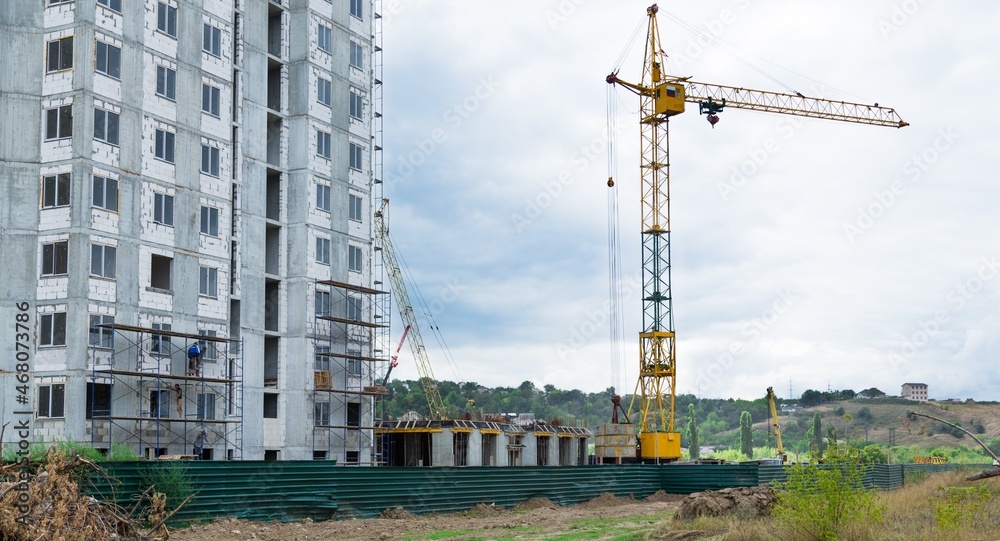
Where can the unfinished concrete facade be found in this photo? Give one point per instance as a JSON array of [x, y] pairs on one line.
[[483, 443], [180, 172]]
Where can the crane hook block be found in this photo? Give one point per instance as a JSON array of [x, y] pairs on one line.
[[713, 120], [611, 182]]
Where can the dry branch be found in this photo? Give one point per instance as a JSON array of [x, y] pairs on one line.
[[976, 476], [52, 506]]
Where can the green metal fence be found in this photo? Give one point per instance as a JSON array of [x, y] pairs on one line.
[[877, 476], [937, 468], [292, 490]]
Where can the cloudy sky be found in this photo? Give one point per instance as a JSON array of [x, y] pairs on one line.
[[821, 253]]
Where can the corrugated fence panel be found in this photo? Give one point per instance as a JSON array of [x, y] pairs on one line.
[[884, 476], [937, 468], [878, 476], [291, 490], [767, 474], [690, 478], [366, 492]]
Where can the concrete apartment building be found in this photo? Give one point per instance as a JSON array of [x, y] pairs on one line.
[[914, 391], [181, 172]]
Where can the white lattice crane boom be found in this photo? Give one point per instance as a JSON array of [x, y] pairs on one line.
[[389, 255]]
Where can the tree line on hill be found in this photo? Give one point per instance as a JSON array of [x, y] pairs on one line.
[[728, 423]]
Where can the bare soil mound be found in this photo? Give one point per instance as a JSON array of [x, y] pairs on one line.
[[608, 499], [744, 502], [396, 513], [486, 510], [661, 496], [535, 503]]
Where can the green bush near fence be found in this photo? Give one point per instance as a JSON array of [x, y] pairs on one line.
[[172, 479], [818, 501]]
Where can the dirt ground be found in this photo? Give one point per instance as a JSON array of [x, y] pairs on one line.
[[604, 517]]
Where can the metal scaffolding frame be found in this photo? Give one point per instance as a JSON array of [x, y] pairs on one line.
[[144, 363], [345, 377], [382, 306]]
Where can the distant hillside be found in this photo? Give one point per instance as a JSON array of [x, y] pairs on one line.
[[872, 419], [860, 420]]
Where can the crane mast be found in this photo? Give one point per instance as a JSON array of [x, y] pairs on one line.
[[434, 401], [662, 97]]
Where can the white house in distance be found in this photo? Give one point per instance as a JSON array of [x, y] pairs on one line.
[[915, 391]]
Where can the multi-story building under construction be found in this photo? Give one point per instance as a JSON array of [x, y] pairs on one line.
[[180, 172]]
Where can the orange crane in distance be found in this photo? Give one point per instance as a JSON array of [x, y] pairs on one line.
[[661, 97], [394, 361]]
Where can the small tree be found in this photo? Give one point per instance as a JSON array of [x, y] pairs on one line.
[[746, 434], [693, 446], [818, 501], [818, 434]]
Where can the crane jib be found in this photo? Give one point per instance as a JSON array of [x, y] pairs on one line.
[[792, 104]]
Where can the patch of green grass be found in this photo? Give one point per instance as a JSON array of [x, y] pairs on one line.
[[613, 529], [448, 534]]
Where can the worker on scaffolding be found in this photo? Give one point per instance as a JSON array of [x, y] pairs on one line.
[[180, 400], [194, 359], [199, 444]]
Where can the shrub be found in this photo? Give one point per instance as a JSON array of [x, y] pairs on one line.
[[121, 453], [820, 501], [955, 505], [72, 448], [872, 454], [729, 455], [36, 453], [170, 479]]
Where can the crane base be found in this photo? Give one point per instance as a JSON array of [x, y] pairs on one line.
[[660, 446]]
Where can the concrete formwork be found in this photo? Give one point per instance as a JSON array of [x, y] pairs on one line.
[[462, 443]]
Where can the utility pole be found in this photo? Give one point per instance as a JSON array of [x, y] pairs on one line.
[[892, 443]]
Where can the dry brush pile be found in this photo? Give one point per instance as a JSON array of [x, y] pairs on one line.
[[45, 501]]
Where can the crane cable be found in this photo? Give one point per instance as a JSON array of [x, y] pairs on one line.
[[718, 43], [615, 308], [628, 45], [428, 314], [722, 44], [616, 323]]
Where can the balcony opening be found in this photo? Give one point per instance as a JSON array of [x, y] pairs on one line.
[[272, 305], [271, 348]]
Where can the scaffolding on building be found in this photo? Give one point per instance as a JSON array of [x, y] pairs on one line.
[[346, 389], [382, 305], [146, 393]]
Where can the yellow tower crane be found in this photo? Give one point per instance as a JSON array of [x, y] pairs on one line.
[[662, 96], [389, 255]]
